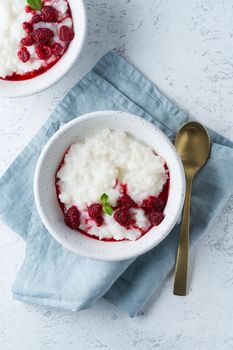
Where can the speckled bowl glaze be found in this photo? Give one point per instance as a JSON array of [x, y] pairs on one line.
[[55, 73], [45, 193]]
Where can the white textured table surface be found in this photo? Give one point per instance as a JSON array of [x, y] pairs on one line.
[[185, 47]]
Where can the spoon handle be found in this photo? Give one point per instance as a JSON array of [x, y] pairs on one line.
[[181, 270]]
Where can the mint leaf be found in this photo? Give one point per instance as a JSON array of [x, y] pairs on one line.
[[35, 4], [104, 198], [107, 209], [106, 205]]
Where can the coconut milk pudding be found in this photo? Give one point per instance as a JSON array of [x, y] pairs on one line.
[[111, 186], [34, 35]]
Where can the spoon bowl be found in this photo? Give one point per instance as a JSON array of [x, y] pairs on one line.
[[193, 145]]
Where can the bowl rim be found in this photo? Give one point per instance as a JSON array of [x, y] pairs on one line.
[[24, 91], [124, 255]]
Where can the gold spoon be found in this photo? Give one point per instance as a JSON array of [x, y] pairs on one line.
[[193, 145]]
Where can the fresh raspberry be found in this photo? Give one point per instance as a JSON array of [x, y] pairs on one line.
[[57, 49], [126, 202], [35, 19], [27, 27], [66, 34], [43, 52], [49, 14], [23, 54], [72, 218], [99, 220], [43, 35], [153, 203], [28, 41], [122, 216], [156, 217], [95, 210]]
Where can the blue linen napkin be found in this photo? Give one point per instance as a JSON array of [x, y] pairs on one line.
[[53, 276]]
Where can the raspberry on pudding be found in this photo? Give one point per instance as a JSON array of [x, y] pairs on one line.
[[33, 40], [111, 186]]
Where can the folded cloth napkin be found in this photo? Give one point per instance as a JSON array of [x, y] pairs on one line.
[[53, 276]]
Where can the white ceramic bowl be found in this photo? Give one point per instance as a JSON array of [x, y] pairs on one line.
[[54, 74], [45, 194]]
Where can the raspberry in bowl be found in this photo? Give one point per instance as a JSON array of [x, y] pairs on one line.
[[109, 185], [41, 39]]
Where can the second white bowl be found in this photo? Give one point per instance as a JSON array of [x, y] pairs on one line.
[[54, 74]]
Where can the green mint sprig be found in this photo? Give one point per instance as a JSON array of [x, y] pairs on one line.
[[106, 205], [35, 4]]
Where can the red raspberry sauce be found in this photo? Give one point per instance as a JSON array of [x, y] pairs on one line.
[[30, 75]]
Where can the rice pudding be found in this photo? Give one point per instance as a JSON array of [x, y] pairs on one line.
[[33, 39], [111, 186]]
